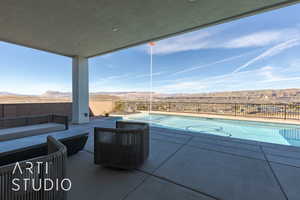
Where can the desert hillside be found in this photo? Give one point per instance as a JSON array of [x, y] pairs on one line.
[[5, 99], [249, 96], [48, 97]]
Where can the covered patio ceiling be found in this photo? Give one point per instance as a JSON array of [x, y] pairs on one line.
[[94, 27]]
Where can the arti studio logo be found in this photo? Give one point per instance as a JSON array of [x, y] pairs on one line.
[[38, 176]]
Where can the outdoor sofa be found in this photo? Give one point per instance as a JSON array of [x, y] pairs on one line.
[[14, 128], [124, 147], [30, 147], [56, 155]]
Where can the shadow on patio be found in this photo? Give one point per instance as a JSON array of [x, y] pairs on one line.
[[191, 166]]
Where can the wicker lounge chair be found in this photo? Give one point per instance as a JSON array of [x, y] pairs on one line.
[[56, 157], [124, 147]]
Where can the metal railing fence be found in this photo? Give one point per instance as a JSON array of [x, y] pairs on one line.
[[276, 111]]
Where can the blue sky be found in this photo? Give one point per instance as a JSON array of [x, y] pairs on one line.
[[258, 52]]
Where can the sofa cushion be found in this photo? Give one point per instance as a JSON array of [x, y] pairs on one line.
[[36, 144], [32, 130]]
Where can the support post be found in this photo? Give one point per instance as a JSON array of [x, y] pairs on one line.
[[80, 90], [285, 109]]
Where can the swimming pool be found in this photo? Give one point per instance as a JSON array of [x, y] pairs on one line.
[[249, 130]]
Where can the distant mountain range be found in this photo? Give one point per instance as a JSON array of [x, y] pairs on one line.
[[56, 94], [9, 93], [254, 96], [246, 96]]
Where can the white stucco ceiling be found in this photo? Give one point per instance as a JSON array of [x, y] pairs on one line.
[[92, 27]]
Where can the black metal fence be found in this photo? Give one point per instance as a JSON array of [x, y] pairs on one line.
[[277, 111]]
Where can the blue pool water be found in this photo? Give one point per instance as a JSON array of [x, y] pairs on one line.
[[259, 131]]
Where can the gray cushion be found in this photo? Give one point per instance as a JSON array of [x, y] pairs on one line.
[[6, 147], [26, 131]]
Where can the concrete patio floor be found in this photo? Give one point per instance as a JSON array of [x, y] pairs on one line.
[[185, 165]]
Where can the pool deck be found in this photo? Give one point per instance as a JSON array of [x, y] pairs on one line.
[[191, 166], [256, 119]]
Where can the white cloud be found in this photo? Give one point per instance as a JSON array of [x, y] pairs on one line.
[[273, 75], [117, 88], [216, 39], [188, 41], [31, 88], [148, 75], [255, 39], [276, 49], [181, 86], [293, 66], [118, 83], [189, 69], [104, 56], [113, 77], [266, 77], [106, 82], [282, 79], [262, 38]]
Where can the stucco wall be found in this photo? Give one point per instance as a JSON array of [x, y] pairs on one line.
[[29, 109], [101, 107]]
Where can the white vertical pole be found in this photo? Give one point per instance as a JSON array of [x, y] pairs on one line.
[[80, 90], [151, 70]]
